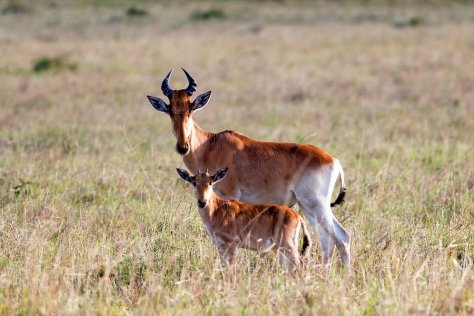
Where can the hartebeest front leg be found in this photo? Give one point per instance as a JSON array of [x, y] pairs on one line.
[[227, 252]]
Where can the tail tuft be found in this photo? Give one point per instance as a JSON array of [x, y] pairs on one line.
[[340, 197], [306, 241], [342, 193]]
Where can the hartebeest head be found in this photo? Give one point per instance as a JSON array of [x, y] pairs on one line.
[[180, 109], [202, 183]]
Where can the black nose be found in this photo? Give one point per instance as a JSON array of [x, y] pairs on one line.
[[201, 204], [182, 149]]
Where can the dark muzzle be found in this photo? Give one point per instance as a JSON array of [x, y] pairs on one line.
[[182, 150], [201, 204]]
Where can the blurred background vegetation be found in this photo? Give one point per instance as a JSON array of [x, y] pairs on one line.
[[93, 218]]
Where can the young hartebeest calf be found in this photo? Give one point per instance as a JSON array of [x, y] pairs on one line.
[[233, 224], [260, 172]]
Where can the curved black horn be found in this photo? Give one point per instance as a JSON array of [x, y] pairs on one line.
[[192, 83], [165, 87]]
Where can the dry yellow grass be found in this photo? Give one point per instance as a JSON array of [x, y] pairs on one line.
[[94, 219]]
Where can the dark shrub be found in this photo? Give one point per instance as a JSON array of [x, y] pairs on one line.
[[52, 64], [136, 12], [210, 14], [14, 7]]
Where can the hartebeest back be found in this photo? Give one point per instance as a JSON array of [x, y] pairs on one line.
[[232, 224], [260, 172]]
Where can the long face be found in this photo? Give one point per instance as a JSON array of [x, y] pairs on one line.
[[180, 110], [202, 183], [202, 188]]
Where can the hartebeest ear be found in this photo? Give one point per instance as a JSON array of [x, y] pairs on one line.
[[184, 174], [201, 101], [158, 104], [219, 174]]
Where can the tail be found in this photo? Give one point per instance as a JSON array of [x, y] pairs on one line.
[[306, 240], [342, 192]]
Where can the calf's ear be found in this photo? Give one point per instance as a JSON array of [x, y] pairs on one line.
[[219, 174], [158, 104], [184, 174]]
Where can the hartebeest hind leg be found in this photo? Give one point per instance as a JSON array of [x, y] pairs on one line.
[[321, 224], [288, 257], [314, 196], [287, 249]]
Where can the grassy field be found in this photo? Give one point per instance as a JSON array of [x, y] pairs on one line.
[[93, 217]]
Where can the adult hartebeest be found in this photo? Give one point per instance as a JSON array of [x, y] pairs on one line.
[[260, 172], [233, 224]]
